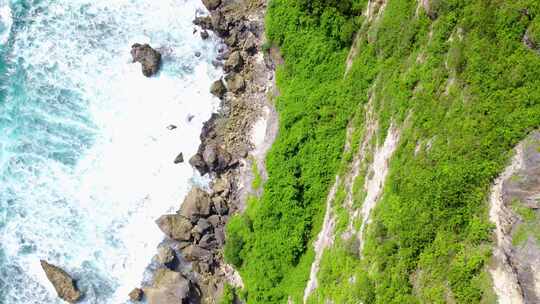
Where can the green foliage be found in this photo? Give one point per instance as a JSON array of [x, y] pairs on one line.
[[534, 31], [257, 179], [429, 237], [529, 226], [229, 294], [238, 230]]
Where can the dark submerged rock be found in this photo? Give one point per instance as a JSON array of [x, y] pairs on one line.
[[204, 22], [63, 283], [179, 159], [204, 35], [149, 58]]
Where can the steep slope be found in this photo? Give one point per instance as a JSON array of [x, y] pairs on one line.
[[437, 93]]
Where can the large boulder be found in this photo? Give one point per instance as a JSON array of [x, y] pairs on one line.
[[218, 88], [169, 287], [211, 4], [149, 58], [236, 83], [175, 226], [196, 204], [63, 283], [196, 253], [216, 158], [234, 63], [167, 257]]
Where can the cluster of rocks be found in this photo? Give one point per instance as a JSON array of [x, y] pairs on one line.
[[219, 152], [189, 260]]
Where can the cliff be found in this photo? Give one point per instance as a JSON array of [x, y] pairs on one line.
[[396, 118]]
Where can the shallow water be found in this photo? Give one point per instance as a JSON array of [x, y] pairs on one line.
[[86, 160]]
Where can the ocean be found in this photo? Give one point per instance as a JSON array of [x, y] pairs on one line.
[[86, 158]]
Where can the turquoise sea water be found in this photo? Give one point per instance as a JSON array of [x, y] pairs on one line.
[[85, 156]]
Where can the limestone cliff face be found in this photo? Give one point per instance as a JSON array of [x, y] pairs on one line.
[[514, 209]]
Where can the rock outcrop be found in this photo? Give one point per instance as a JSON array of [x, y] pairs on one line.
[[218, 88], [515, 210], [63, 283], [175, 227], [149, 58], [169, 287]]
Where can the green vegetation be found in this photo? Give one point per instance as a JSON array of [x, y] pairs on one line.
[[534, 31], [464, 79], [257, 179], [529, 225], [229, 294]]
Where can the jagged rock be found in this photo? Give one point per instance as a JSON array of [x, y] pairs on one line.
[[232, 38], [204, 22], [136, 295], [208, 241], [166, 256], [218, 24], [202, 226], [197, 162], [211, 4], [169, 287], [220, 236], [214, 220], [63, 283], [196, 253], [175, 227], [220, 205], [196, 204], [234, 63], [179, 159], [216, 158], [149, 58], [250, 45], [222, 187], [218, 88], [204, 35], [236, 83], [171, 127]]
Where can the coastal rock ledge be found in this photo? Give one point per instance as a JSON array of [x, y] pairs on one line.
[[63, 283], [149, 58]]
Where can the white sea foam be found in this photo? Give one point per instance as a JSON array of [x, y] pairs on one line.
[[96, 218], [6, 21]]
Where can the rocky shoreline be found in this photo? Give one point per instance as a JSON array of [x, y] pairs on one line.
[[189, 266]]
